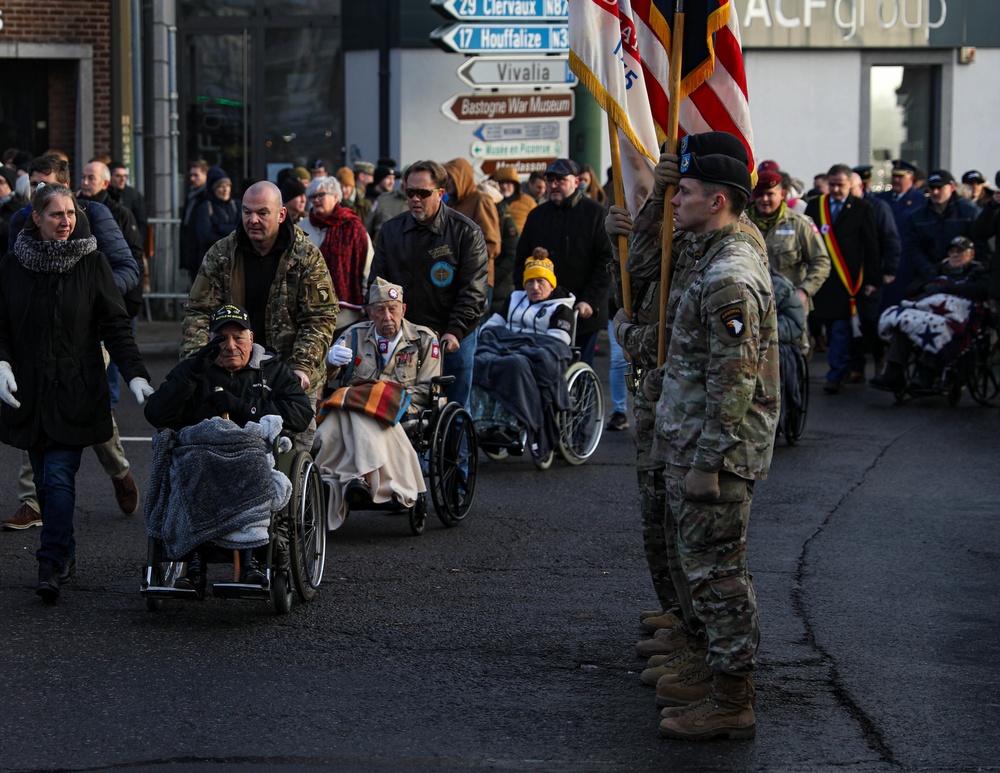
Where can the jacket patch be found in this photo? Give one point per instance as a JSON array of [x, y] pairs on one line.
[[435, 350], [442, 273], [322, 293], [733, 320]]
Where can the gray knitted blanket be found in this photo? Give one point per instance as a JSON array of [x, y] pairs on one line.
[[214, 482]]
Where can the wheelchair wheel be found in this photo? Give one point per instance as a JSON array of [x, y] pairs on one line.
[[307, 527], [496, 456], [281, 592], [418, 515], [581, 426], [453, 464], [984, 368], [795, 417]]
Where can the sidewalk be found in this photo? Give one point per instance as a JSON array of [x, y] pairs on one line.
[[159, 337]]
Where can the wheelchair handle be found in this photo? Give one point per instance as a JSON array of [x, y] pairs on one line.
[[444, 381], [225, 414]]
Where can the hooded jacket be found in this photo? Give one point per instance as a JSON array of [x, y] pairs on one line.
[[477, 206]]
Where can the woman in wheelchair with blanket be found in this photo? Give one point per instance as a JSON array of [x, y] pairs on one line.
[[234, 377], [522, 356]]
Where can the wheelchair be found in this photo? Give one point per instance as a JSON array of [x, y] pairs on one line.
[[580, 427], [444, 439], [975, 367], [303, 524], [794, 397]]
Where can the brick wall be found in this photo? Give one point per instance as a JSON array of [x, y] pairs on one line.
[[68, 21]]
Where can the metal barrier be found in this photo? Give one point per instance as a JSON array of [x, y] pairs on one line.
[[166, 283]]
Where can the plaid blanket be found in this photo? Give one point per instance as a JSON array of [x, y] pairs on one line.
[[385, 401]]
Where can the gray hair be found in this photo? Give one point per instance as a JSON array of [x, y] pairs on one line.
[[329, 185], [46, 192]]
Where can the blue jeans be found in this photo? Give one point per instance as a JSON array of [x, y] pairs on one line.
[[55, 481], [838, 348], [619, 400], [460, 364]]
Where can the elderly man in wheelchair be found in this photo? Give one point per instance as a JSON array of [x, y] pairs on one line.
[[936, 324], [211, 481], [382, 384], [528, 393]]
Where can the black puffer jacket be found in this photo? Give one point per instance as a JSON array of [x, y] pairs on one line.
[[51, 328], [266, 386]]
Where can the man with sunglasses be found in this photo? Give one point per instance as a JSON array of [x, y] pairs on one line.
[[438, 256]]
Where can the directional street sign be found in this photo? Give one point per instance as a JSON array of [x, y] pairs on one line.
[[541, 130], [503, 10], [503, 39], [517, 71], [509, 107], [521, 165], [518, 149]]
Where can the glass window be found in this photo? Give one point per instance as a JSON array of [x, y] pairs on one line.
[[303, 94], [217, 7], [903, 106]]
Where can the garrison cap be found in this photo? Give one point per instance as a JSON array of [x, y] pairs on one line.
[[382, 291]]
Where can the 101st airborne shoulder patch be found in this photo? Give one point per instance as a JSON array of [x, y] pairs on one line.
[[734, 321], [322, 293]]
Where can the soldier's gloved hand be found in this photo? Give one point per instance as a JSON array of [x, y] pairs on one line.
[[226, 402], [618, 222], [620, 326], [140, 388], [8, 385], [666, 172], [701, 485], [206, 354], [339, 355], [652, 384]]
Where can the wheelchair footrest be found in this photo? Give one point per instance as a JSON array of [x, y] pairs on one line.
[[240, 590], [168, 592]]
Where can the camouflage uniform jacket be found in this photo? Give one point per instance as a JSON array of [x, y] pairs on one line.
[[414, 362], [720, 401], [301, 311], [796, 251]]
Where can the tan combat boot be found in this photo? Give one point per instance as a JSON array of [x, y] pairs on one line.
[[684, 689], [646, 613], [725, 713], [695, 651], [664, 642], [656, 622]]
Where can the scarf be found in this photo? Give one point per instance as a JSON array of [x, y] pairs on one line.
[[766, 222], [345, 250], [52, 257]]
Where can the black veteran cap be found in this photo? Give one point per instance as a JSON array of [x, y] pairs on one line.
[[712, 143], [962, 242], [901, 166], [563, 167], [229, 313], [973, 176], [940, 177], [716, 168]]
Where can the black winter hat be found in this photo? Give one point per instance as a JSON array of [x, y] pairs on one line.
[[9, 175], [291, 188]]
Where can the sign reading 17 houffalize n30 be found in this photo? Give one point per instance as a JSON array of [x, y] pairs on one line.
[[503, 10], [503, 39]]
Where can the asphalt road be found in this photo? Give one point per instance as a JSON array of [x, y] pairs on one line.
[[507, 643]]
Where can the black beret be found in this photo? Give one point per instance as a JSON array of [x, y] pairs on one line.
[[716, 168], [713, 143]]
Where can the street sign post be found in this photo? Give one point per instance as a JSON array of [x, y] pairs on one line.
[[503, 39], [539, 105], [517, 71], [503, 10]]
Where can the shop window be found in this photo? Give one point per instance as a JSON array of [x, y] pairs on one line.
[[903, 123]]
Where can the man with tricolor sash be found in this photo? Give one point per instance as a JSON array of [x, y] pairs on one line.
[[847, 303]]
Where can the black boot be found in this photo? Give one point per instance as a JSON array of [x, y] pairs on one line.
[[194, 578], [48, 581]]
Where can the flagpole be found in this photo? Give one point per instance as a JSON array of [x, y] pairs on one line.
[[673, 118], [616, 175]]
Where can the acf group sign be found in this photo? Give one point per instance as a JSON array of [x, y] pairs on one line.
[[855, 23]]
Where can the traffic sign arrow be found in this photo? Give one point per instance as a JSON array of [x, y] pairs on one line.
[[517, 71], [503, 39], [517, 149], [509, 107], [503, 10]]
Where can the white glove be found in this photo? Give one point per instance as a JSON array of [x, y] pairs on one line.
[[339, 355], [141, 389], [8, 385]]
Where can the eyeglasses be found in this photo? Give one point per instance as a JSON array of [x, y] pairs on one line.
[[421, 192], [319, 195]]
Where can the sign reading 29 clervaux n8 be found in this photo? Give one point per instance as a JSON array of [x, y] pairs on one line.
[[503, 10], [503, 39]]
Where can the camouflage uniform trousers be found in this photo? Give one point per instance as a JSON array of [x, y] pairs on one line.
[[710, 544], [652, 498]]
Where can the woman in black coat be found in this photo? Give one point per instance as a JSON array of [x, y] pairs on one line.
[[58, 301], [218, 215]]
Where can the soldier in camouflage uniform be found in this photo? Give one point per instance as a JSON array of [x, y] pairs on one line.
[[294, 312], [715, 424]]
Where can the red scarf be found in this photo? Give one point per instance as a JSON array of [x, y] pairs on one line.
[[345, 250]]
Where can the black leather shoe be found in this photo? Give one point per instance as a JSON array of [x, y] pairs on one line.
[[358, 494], [194, 578], [68, 570], [48, 581], [252, 573]]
